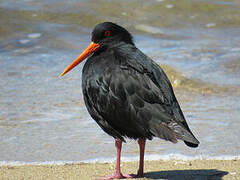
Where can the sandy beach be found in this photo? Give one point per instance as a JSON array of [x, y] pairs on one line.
[[172, 170]]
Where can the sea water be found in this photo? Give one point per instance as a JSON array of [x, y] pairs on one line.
[[43, 119]]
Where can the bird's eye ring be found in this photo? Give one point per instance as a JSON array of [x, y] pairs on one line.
[[107, 33]]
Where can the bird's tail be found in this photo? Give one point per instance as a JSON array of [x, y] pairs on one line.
[[187, 136], [174, 132], [193, 145]]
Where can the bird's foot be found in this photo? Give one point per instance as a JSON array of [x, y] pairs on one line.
[[121, 176]]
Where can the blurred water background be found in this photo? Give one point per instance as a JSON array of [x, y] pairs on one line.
[[43, 117]]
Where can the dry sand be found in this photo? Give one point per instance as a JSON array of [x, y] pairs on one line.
[[171, 170]]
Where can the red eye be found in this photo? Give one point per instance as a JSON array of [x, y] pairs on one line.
[[107, 33]]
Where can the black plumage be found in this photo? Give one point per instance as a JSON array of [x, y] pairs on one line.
[[128, 94]]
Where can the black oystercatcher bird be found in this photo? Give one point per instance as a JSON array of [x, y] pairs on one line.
[[128, 94]]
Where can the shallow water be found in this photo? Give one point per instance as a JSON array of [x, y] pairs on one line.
[[43, 117]]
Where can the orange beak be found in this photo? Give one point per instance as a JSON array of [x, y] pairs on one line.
[[87, 52]]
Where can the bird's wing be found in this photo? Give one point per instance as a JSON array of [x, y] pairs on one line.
[[163, 91]]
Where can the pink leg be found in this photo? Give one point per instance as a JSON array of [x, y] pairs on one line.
[[141, 143], [118, 174]]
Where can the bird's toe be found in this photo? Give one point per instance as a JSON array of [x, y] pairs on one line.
[[119, 176]]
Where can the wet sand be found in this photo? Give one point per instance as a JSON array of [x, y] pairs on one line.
[[172, 169]]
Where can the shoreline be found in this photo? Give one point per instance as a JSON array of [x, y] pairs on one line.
[[147, 157], [154, 169]]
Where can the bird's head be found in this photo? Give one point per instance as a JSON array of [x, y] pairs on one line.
[[104, 34], [110, 33]]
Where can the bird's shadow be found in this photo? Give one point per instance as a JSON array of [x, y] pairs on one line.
[[200, 174]]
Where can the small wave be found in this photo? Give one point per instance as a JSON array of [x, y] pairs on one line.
[[170, 157]]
